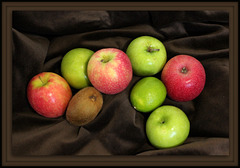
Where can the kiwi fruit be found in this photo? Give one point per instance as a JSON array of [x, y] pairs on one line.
[[84, 106]]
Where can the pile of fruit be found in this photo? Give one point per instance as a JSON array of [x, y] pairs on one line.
[[109, 71]]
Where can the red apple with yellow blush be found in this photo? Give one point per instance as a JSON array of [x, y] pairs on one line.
[[48, 94], [109, 70]]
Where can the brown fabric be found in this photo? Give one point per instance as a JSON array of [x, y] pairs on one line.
[[41, 39]]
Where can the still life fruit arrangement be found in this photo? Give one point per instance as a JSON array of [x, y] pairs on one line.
[[109, 71]]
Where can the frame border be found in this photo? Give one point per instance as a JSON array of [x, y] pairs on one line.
[[9, 160]]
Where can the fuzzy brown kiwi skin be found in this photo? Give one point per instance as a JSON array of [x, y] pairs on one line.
[[84, 106]]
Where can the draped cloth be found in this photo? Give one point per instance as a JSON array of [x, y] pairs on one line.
[[40, 39]]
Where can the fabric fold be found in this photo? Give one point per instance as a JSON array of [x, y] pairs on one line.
[[40, 39]]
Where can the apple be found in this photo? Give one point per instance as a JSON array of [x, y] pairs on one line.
[[74, 67], [109, 70], [147, 55], [167, 126], [184, 77], [48, 94]]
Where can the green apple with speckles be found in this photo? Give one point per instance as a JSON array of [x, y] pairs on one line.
[[147, 55], [74, 67], [167, 126]]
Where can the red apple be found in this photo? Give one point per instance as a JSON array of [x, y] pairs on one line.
[[184, 77], [49, 94], [109, 70]]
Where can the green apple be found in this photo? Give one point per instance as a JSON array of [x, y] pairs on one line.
[[167, 126], [147, 55], [74, 67]]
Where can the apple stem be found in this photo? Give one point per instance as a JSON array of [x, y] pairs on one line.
[[184, 70], [152, 49], [41, 79], [44, 83], [106, 58]]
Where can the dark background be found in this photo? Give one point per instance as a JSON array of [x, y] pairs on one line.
[[41, 39]]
